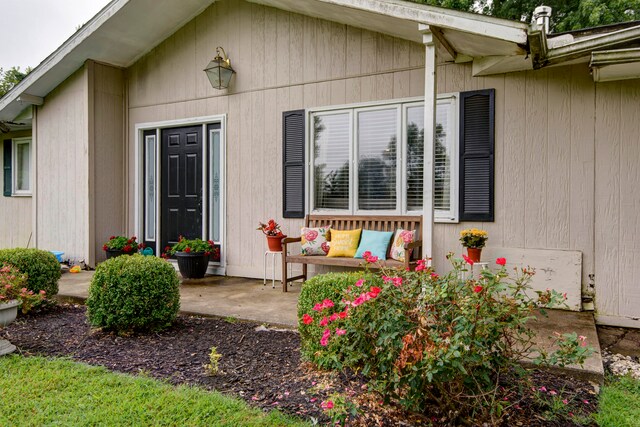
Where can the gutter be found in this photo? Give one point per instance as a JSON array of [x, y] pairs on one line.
[[585, 47]]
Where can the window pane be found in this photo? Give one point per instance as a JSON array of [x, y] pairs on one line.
[[23, 159], [377, 159], [442, 161], [415, 157], [442, 157], [150, 188], [331, 136], [215, 186]]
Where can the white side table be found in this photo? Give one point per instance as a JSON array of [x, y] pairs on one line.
[[273, 267]]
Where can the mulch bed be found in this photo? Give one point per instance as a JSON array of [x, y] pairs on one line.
[[261, 366]]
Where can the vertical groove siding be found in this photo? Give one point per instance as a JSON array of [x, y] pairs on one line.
[[549, 126], [63, 175]]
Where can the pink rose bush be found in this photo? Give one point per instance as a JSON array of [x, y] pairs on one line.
[[419, 337]]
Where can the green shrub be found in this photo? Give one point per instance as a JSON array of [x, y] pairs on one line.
[[41, 267], [330, 286], [133, 293], [423, 339]]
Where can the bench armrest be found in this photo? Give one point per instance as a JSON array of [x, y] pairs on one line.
[[413, 245], [291, 240]]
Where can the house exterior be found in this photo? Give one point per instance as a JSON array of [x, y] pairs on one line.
[[531, 136]]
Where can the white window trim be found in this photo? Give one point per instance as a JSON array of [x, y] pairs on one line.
[[451, 216], [14, 167]]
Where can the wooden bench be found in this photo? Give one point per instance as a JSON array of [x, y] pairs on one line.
[[349, 222]]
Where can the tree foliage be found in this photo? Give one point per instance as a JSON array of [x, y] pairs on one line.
[[567, 14], [10, 78]]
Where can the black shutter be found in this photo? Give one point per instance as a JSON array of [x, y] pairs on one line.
[[7, 166], [293, 164], [477, 155]]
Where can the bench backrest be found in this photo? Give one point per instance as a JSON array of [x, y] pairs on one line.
[[369, 222]]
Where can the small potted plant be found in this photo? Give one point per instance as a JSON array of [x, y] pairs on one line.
[[274, 235], [192, 255], [120, 245], [14, 294], [474, 240]]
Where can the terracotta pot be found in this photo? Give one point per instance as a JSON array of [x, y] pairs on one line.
[[275, 243], [192, 265], [474, 254]]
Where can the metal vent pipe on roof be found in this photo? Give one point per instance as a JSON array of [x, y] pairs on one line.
[[542, 16]]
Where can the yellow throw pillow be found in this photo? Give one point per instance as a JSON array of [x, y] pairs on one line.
[[344, 243]]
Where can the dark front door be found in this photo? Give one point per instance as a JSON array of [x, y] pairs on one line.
[[181, 204]]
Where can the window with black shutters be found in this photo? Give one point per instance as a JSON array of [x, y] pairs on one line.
[[369, 159]]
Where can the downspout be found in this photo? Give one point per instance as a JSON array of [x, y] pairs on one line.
[[430, 94]]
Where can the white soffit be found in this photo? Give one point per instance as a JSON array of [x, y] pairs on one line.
[[119, 34]]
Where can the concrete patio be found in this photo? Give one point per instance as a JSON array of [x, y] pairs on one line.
[[249, 299], [219, 296]]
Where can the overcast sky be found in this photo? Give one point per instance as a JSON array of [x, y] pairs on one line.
[[33, 29]]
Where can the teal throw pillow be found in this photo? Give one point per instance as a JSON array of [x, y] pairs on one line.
[[376, 242]]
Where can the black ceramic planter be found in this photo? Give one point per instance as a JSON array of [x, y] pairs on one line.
[[112, 253], [192, 265]]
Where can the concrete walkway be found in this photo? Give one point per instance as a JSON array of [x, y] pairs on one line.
[[243, 299], [248, 299]]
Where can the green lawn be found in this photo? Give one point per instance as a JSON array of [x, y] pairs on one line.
[[36, 391], [619, 404]]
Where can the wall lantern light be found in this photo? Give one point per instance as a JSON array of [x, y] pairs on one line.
[[219, 70]]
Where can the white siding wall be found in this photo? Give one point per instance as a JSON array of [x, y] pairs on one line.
[[284, 62], [107, 195], [15, 212], [550, 193], [617, 202], [62, 169]]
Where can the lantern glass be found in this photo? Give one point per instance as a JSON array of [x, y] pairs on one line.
[[219, 73]]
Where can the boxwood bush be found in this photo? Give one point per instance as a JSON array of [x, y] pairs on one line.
[[329, 286], [41, 267], [133, 293]]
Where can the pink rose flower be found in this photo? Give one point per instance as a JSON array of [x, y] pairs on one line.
[[340, 331], [310, 235], [324, 321], [326, 405], [467, 259]]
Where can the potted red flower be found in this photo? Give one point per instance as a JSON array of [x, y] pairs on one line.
[[120, 245], [192, 256], [274, 235]]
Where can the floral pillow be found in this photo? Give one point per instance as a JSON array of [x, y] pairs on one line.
[[315, 240], [397, 247]]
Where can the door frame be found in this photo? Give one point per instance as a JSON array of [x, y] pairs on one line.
[[214, 268]]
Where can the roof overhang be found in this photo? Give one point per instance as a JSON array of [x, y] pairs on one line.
[[119, 34], [620, 64]]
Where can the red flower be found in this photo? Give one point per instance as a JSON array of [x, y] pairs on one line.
[[327, 405], [307, 320], [134, 238], [104, 247], [141, 246], [501, 261], [374, 291], [187, 249], [167, 248], [324, 321], [467, 259], [366, 254], [311, 235], [477, 289], [112, 237], [342, 315], [127, 248]]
